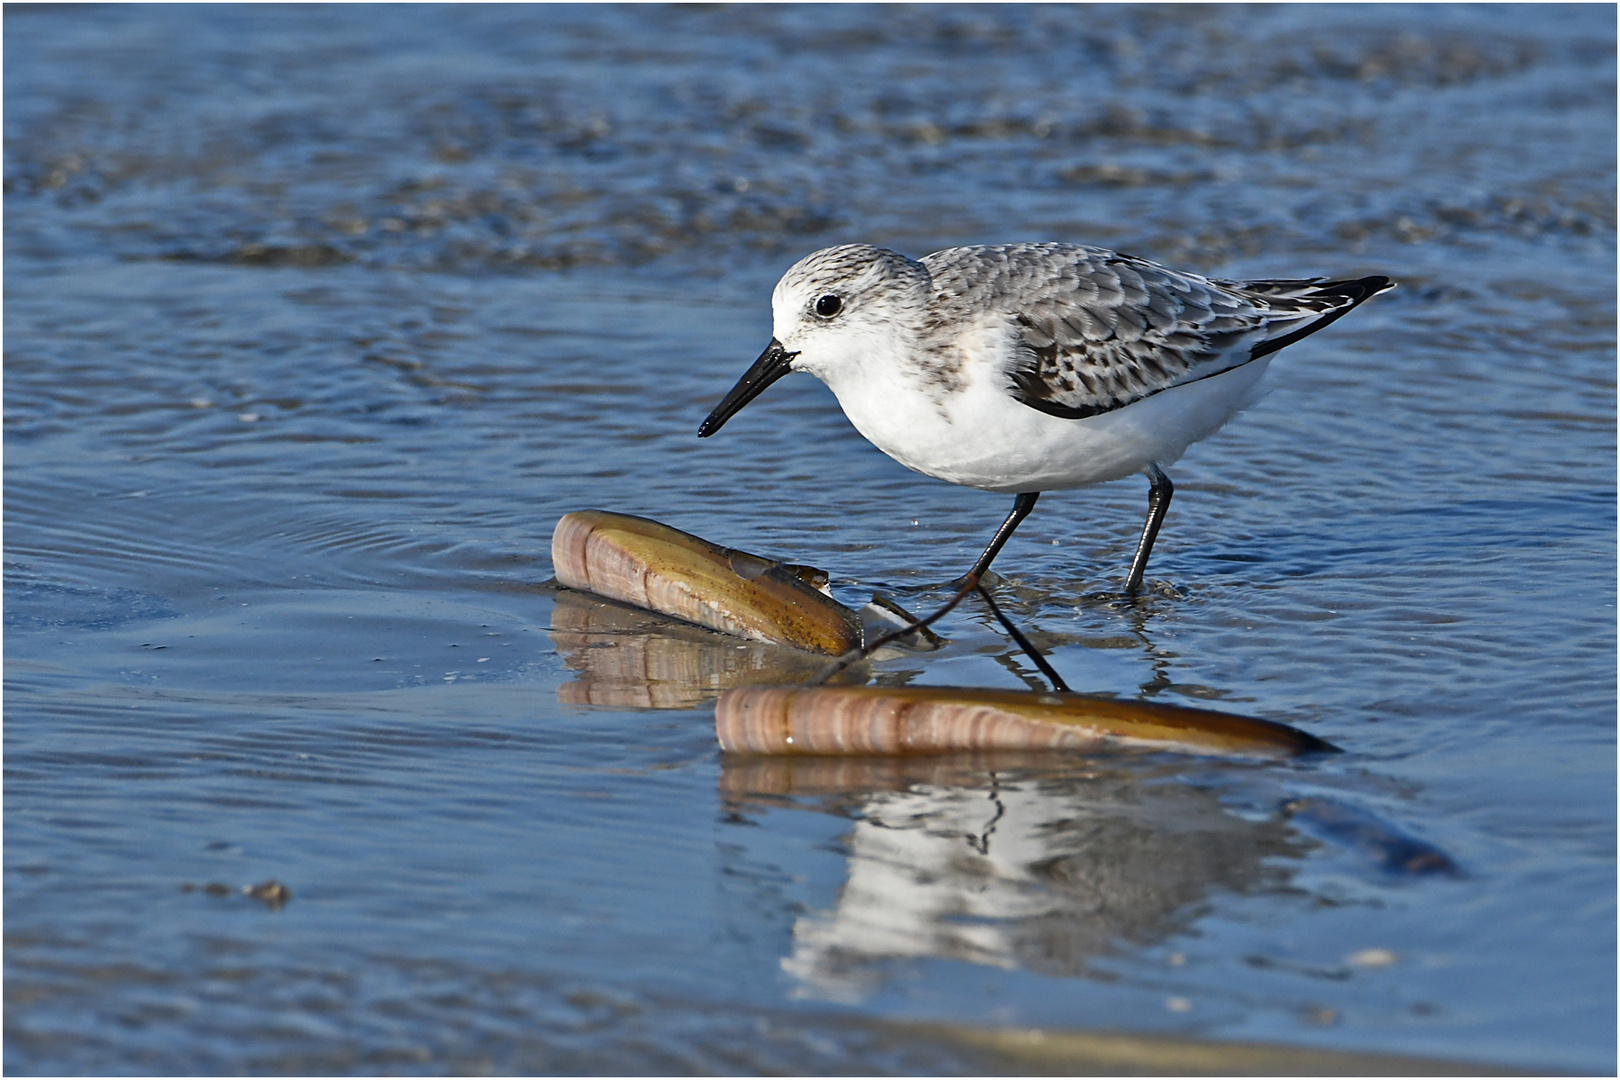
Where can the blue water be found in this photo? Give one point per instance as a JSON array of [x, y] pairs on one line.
[[317, 319]]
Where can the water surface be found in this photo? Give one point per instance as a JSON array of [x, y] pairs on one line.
[[317, 319]]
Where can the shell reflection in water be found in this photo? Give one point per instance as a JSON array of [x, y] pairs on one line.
[[626, 658], [996, 860]]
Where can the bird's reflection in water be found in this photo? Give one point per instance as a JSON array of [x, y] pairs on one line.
[[1014, 862], [623, 657]]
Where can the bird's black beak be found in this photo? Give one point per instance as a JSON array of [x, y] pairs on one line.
[[772, 364]]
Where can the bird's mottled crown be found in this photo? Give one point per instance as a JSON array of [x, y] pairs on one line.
[[872, 273]]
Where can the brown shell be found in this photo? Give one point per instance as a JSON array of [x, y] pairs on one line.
[[650, 565], [935, 720]]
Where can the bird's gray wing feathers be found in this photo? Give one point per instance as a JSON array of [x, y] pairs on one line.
[[1096, 330]]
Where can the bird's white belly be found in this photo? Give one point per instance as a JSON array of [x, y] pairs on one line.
[[993, 442]]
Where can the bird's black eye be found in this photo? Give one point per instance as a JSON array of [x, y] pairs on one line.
[[828, 306]]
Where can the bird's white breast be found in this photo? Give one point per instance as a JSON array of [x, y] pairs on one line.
[[961, 424]]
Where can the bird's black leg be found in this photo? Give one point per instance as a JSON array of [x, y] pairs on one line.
[[1158, 503], [1021, 508]]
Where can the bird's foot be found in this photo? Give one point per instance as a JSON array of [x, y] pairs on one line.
[[1143, 594], [989, 579]]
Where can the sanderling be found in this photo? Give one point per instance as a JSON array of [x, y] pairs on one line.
[[1025, 368]]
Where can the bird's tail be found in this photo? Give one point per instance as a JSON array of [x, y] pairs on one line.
[[1320, 301]]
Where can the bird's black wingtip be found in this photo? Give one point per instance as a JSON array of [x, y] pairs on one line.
[[1352, 292], [1355, 290]]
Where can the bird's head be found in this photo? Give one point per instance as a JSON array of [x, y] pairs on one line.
[[833, 310]]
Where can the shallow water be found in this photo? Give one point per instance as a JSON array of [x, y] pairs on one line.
[[318, 318]]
